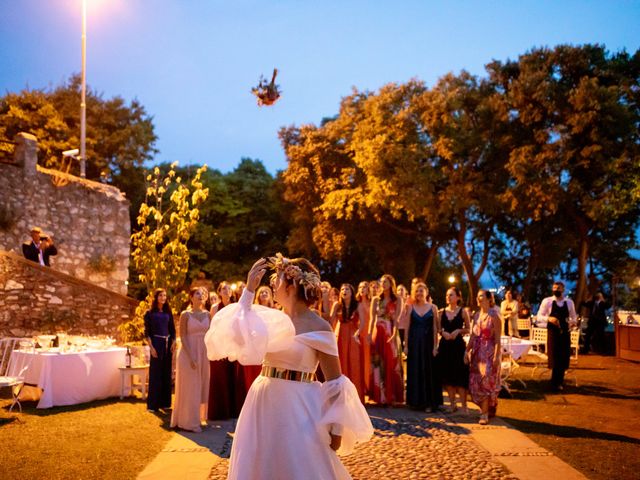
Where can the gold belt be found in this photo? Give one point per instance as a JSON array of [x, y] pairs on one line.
[[283, 373]]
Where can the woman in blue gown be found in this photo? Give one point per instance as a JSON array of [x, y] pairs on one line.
[[424, 390]]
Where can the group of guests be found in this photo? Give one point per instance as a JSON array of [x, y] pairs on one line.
[[378, 327], [388, 324]]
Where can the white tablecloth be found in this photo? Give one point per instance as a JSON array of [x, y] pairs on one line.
[[519, 346], [75, 377]]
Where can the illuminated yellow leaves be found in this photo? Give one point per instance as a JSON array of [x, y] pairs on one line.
[[159, 252]]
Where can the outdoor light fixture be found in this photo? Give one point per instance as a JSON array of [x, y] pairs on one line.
[[452, 278], [71, 153]]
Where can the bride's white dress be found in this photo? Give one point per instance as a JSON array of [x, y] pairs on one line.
[[283, 429]]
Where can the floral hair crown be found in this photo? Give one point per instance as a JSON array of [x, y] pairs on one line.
[[310, 281]]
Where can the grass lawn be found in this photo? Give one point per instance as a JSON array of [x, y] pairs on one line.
[[104, 439], [595, 427]]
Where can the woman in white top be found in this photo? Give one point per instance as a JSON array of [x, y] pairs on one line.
[[509, 311], [291, 426]]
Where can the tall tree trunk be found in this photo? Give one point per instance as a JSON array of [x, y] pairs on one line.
[[532, 266], [583, 257], [431, 255], [467, 262], [581, 287]]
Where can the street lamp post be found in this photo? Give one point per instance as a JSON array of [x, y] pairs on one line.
[[83, 105]]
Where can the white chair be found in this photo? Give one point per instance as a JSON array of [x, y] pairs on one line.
[[507, 363], [575, 344], [535, 355], [524, 324], [573, 360], [539, 338], [16, 355]]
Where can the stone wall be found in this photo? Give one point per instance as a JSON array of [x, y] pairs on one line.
[[89, 221], [40, 300]]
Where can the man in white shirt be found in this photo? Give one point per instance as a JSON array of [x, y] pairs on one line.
[[560, 315]]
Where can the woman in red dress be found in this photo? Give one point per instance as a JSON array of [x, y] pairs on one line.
[[344, 315], [223, 373], [364, 313], [387, 382]]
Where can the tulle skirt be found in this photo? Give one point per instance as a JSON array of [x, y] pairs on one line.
[[279, 436]]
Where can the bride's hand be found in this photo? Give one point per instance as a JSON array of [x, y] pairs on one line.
[[255, 275]]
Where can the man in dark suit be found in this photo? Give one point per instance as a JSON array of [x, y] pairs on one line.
[[40, 248], [597, 323]]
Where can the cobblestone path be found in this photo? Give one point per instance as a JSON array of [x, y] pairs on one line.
[[411, 445]]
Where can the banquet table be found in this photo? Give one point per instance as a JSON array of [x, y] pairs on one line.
[[70, 378], [519, 346]]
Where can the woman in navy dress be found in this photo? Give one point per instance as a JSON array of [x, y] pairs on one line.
[[424, 390], [160, 332]]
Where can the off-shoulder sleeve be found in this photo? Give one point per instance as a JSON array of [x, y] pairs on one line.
[[246, 332], [323, 341], [343, 414]]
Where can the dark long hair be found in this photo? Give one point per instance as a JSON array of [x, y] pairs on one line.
[[392, 286], [154, 305], [353, 304]]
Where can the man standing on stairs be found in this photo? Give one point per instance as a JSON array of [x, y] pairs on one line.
[[40, 248]]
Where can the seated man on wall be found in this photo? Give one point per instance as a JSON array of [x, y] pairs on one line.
[[40, 248]]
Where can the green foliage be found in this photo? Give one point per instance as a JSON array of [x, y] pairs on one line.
[[166, 221], [120, 135], [575, 157], [242, 219]]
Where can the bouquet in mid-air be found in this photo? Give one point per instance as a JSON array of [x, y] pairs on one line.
[[267, 93]]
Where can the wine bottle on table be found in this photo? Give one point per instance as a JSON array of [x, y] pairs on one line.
[[127, 359]]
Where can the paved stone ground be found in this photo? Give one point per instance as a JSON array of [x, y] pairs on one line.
[[411, 445]]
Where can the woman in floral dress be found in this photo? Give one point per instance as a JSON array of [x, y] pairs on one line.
[[484, 356], [387, 384]]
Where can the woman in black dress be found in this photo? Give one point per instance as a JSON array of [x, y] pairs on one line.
[[160, 332], [454, 322], [424, 390]]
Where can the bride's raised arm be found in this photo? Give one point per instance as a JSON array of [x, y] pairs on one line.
[[245, 331]]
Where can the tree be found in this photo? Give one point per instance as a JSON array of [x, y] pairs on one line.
[[577, 160], [166, 221], [242, 219], [33, 111], [466, 125], [396, 171], [120, 136]]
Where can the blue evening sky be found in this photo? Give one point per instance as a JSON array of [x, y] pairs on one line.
[[192, 63]]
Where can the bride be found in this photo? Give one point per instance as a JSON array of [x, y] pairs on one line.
[[291, 426]]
